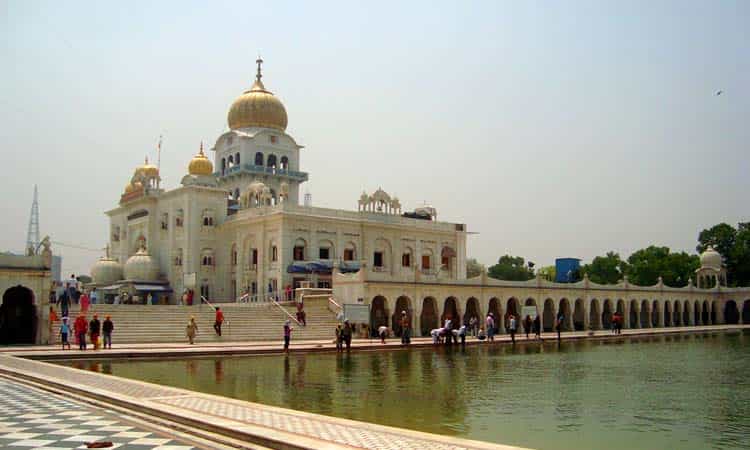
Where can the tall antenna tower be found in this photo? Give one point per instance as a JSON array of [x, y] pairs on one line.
[[32, 237]]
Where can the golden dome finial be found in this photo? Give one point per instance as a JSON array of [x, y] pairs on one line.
[[259, 61], [200, 164], [145, 161]]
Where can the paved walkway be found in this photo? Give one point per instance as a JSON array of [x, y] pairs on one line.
[[262, 347], [260, 424], [34, 419]]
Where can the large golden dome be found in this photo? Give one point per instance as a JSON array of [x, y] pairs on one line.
[[200, 164], [257, 108]]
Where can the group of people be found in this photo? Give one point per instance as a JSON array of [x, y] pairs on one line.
[[99, 333]]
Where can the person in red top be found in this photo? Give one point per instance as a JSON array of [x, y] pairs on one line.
[[81, 327], [219, 320]]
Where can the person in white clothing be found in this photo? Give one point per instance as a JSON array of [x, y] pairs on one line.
[[383, 333]]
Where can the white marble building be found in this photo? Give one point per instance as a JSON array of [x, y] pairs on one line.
[[238, 226]]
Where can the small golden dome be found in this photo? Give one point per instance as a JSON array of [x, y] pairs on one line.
[[200, 164], [257, 108], [148, 169]]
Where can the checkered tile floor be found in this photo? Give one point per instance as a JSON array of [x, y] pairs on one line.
[[34, 419]]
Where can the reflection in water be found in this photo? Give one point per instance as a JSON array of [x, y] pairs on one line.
[[689, 392]]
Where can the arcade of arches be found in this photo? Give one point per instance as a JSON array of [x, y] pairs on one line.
[[594, 313]]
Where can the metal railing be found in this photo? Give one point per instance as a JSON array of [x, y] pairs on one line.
[[287, 313], [336, 308], [263, 298]]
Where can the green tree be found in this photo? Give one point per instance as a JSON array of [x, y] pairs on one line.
[[473, 268], [510, 268], [607, 269], [547, 272], [646, 266], [734, 246]]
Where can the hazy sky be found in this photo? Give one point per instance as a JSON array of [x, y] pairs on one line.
[[550, 128]]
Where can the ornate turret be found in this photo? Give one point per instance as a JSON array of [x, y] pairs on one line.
[[200, 165]]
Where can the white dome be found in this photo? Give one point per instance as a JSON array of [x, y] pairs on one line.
[[106, 271], [711, 259], [141, 267]]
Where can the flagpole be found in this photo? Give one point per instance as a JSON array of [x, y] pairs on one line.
[[158, 154]]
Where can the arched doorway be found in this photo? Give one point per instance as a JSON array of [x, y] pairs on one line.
[[705, 315], [667, 314], [18, 317], [579, 315], [497, 313], [428, 319], [620, 308], [567, 324], [697, 313], [731, 313], [633, 322], [746, 312], [645, 316], [450, 310], [595, 317], [607, 315], [714, 310], [548, 315], [378, 314], [677, 313], [403, 303], [512, 308], [655, 313], [686, 313], [472, 310]]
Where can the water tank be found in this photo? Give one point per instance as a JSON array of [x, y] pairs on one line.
[[566, 269]]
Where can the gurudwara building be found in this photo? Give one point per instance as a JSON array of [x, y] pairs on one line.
[[235, 226], [235, 230]]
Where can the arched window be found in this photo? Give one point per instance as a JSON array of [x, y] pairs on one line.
[[208, 218], [350, 252], [406, 257], [237, 158], [207, 258], [284, 163], [298, 253], [234, 254], [237, 194], [178, 218], [223, 166], [274, 253], [230, 161], [271, 161], [426, 259], [259, 159], [326, 250]]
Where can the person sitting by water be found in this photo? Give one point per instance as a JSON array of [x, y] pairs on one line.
[[436, 333], [383, 333], [480, 335], [460, 334]]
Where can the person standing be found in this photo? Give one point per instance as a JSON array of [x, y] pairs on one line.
[[473, 325], [489, 324], [405, 328], [339, 338], [537, 327], [64, 301], [84, 303], [80, 327], [512, 326], [287, 335], [559, 324], [527, 325], [94, 329], [64, 333], [219, 319], [191, 330], [107, 328], [347, 332], [52, 320], [94, 296]]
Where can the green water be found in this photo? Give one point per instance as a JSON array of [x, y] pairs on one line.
[[678, 392]]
